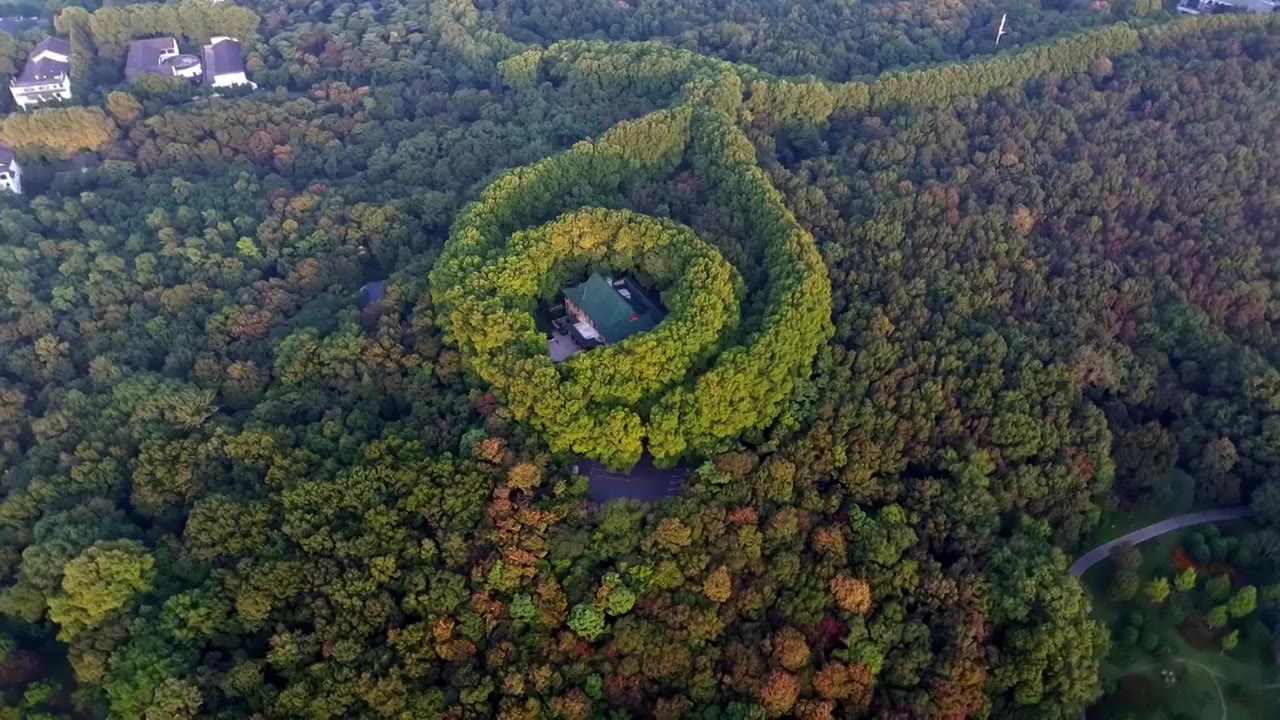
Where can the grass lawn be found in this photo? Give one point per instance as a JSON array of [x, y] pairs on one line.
[[1201, 673]]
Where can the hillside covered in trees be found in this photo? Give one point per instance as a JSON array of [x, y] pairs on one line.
[[935, 309]]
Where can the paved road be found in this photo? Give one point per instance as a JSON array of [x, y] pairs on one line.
[[1096, 555]]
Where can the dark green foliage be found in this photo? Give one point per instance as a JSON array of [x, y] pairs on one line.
[[111, 28], [836, 41]]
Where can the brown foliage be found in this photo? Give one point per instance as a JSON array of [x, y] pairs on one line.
[[744, 515], [837, 681], [673, 534], [672, 708], [718, 586], [492, 450], [851, 594], [779, 692], [790, 650], [829, 541], [573, 705], [736, 465], [524, 476]]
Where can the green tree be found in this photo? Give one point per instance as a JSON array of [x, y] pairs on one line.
[[1230, 641], [1243, 603], [98, 582], [1218, 587], [587, 621], [1124, 585], [1185, 581], [1218, 617], [1158, 590]]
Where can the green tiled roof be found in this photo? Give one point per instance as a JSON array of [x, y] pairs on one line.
[[614, 317]]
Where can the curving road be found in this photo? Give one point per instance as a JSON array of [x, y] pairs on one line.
[[1096, 555]]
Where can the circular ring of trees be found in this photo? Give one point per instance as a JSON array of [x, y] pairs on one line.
[[602, 393], [729, 356]]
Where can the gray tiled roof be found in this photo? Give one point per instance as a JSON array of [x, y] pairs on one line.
[[58, 45], [38, 72], [223, 58], [6, 156], [144, 57]]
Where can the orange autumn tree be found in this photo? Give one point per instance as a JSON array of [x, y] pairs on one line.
[[851, 594]]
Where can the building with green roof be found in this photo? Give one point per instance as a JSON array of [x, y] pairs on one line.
[[604, 311]]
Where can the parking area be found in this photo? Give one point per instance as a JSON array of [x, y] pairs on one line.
[[561, 346], [642, 482]]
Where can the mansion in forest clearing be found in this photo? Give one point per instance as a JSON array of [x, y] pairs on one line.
[[47, 75], [605, 310]]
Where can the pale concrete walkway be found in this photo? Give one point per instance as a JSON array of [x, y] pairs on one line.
[[1096, 555]]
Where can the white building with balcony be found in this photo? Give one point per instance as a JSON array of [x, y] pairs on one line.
[[10, 171], [47, 75]]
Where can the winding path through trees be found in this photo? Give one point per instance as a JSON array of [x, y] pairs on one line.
[[1156, 529]]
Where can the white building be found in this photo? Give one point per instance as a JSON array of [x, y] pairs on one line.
[[47, 75], [224, 64], [184, 66], [10, 171]]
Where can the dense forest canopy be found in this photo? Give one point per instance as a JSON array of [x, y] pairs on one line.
[[832, 40], [935, 308]]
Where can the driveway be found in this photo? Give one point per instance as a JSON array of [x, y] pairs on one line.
[[561, 347], [1096, 555]]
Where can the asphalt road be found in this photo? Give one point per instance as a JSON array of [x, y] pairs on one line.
[[1096, 555]]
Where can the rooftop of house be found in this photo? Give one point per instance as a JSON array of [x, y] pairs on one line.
[[6, 156], [40, 67], [615, 317], [53, 45], [79, 163], [148, 56], [222, 57]]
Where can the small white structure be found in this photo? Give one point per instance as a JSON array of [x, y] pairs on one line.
[[184, 66], [1214, 7], [10, 171], [47, 75], [224, 63]]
